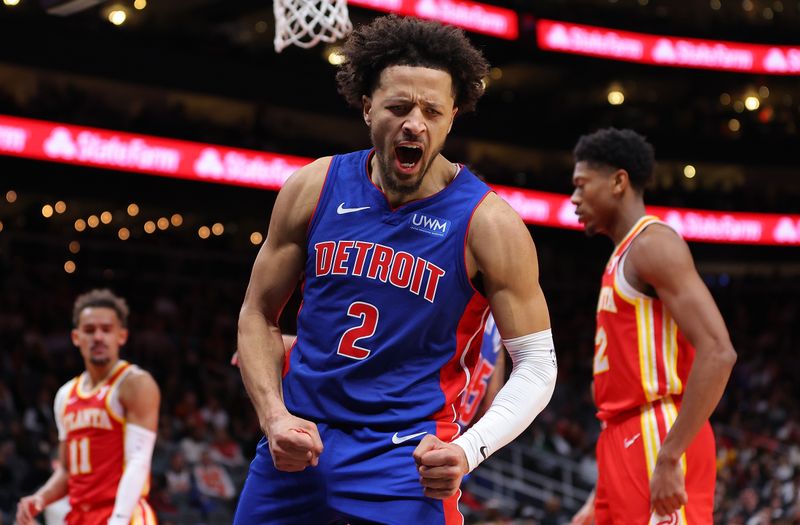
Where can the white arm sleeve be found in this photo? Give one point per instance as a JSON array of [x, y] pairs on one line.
[[522, 398], [58, 410], [139, 443]]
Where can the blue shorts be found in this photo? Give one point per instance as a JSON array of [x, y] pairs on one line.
[[364, 476]]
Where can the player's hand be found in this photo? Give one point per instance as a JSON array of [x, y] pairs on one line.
[[294, 443], [585, 516], [28, 508], [441, 466], [667, 487]]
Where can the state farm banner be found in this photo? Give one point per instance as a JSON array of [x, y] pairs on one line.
[[472, 16], [69, 144], [550, 209], [667, 50], [116, 150]]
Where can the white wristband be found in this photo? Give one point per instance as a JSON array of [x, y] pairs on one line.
[[522, 398]]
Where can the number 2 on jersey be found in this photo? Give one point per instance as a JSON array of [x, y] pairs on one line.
[[368, 314], [600, 356], [79, 456]]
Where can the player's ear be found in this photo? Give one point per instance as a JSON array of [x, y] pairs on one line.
[[366, 104], [452, 118], [123, 336], [620, 181]]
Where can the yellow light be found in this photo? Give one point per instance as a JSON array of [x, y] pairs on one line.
[[61, 207], [149, 227], [11, 196], [106, 217], [734, 125], [176, 219], [217, 228], [752, 103], [124, 234], [689, 171], [11, 2], [163, 223], [93, 221], [256, 238], [80, 225], [738, 106], [47, 211], [117, 17], [74, 247], [495, 73], [133, 209], [763, 92], [204, 232], [140, 4], [725, 99], [69, 266], [335, 57], [616, 97]]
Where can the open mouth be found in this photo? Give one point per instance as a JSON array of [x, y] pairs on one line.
[[408, 156]]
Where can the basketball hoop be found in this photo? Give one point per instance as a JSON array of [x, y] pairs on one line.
[[305, 23]]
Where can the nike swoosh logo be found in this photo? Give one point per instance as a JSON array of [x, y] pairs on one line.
[[631, 441], [483, 450], [398, 439], [341, 210]]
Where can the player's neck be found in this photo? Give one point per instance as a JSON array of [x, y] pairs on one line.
[[439, 175], [627, 216], [99, 373]]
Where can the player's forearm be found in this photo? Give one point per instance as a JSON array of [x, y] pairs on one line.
[[704, 388], [55, 488], [261, 355]]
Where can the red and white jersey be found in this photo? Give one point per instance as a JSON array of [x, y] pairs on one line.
[[640, 356], [91, 421]]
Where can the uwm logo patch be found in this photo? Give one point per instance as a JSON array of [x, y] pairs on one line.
[[430, 224]]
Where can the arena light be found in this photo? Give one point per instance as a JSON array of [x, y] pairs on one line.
[[335, 56], [47, 211], [752, 103], [204, 232], [11, 2], [689, 171], [616, 97], [93, 221], [162, 223], [139, 4], [133, 209], [117, 17], [149, 227], [74, 247], [69, 266], [176, 219], [11, 196], [80, 225], [124, 234], [217, 229], [60, 207], [664, 50], [106, 217], [1, 226], [256, 238], [734, 125]]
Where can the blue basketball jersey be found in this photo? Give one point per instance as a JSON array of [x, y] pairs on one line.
[[390, 326], [482, 374]]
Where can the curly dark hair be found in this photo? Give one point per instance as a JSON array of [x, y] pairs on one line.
[[100, 298], [619, 149], [395, 41]]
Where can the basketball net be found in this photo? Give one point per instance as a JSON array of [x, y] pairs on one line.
[[305, 23]]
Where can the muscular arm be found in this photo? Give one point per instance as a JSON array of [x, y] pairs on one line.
[[661, 260], [140, 396], [275, 274], [500, 248]]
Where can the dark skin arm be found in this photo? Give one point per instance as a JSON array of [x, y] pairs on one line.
[[660, 261], [294, 442]]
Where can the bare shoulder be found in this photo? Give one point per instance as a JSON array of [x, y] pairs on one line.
[[659, 250], [138, 383], [498, 240], [300, 193], [495, 221]]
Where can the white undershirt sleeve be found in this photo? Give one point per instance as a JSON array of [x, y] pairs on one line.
[[139, 444], [522, 398]]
